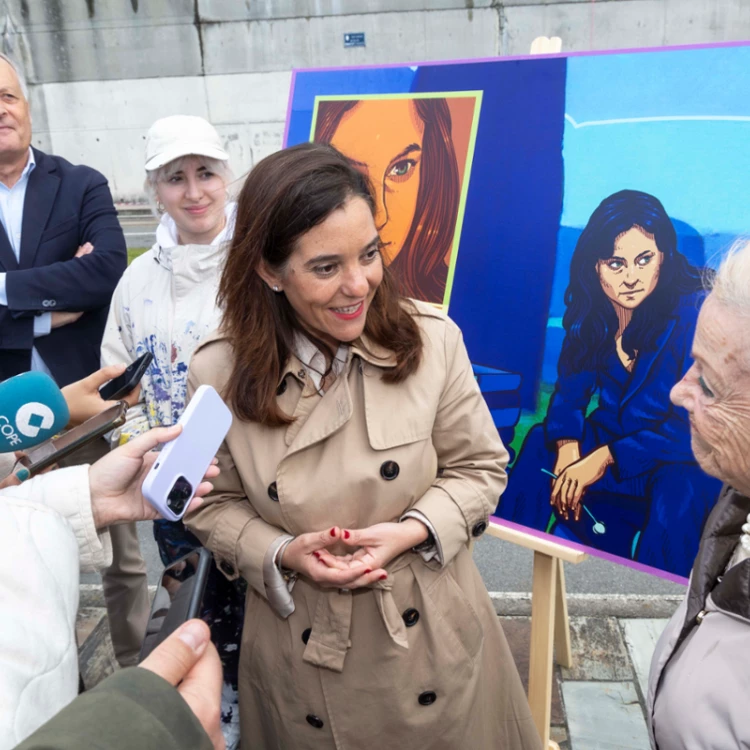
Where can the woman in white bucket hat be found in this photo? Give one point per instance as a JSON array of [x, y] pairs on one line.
[[165, 304]]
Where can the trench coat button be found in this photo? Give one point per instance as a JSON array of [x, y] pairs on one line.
[[389, 470], [306, 635], [427, 698], [479, 529], [226, 568], [410, 617], [273, 493], [314, 721], [282, 387], [301, 374]]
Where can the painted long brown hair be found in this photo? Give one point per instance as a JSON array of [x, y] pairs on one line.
[[284, 196], [420, 267]]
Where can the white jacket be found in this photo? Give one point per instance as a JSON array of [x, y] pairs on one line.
[[165, 303], [47, 536]]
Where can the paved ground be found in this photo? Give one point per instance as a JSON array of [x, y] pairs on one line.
[[598, 704]]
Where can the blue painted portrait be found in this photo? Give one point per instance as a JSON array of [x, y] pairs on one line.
[[611, 466]]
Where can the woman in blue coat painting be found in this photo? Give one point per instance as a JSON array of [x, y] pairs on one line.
[[612, 459]]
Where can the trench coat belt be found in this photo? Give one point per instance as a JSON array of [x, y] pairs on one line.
[[329, 640]]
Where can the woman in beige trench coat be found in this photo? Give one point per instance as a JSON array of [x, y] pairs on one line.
[[361, 463]]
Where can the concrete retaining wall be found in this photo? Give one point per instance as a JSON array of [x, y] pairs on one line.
[[101, 71]]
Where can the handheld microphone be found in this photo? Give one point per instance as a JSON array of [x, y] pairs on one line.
[[32, 410]]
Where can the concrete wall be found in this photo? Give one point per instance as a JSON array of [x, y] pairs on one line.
[[101, 71]]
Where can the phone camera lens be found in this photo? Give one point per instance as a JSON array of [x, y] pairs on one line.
[[179, 495]]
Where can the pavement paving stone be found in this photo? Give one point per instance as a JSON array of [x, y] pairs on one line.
[[599, 652], [518, 632], [96, 657], [604, 716], [640, 638]]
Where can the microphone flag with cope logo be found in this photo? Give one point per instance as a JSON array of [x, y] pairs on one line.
[[32, 410]]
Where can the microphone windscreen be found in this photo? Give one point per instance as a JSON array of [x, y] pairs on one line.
[[32, 410]]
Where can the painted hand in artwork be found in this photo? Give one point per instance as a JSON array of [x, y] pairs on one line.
[[568, 452], [571, 485]]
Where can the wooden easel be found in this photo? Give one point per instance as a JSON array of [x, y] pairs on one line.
[[550, 627]]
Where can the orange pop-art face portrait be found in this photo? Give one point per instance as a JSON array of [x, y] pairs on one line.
[[404, 146]]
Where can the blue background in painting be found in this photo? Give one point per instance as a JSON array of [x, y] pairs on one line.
[[697, 166], [506, 260]]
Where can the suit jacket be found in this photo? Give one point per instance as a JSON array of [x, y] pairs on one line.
[[65, 206], [645, 429]]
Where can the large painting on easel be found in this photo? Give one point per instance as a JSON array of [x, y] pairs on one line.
[[597, 192]]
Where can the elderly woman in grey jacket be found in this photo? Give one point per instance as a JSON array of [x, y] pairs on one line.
[[700, 673]]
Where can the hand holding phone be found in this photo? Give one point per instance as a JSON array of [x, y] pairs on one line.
[[178, 597], [179, 470], [44, 455], [120, 386]]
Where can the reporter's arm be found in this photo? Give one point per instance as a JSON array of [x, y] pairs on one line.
[[133, 709], [67, 493]]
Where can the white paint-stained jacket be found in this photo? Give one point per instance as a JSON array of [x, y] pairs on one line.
[[165, 304]]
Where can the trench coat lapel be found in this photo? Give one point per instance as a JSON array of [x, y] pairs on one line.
[[645, 362], [40, 197], [330, 415]]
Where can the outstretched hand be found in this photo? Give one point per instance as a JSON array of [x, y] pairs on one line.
[[116, 480], [189, 661], [83, 398]]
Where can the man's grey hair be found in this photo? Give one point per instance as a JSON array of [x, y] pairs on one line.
[[19, 74], [731, 284], [162, 174]]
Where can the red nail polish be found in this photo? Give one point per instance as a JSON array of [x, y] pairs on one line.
[[368, 571], [333, 532], [346, 535], [383, 577]]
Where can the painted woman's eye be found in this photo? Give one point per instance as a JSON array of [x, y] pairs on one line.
[[614, 264], [644, 260], [401, 170]]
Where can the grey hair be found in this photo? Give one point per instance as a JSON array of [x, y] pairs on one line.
[[19, 74], [162, 174], [731, 284]]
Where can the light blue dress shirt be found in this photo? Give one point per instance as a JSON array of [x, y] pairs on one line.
[[11, 216]]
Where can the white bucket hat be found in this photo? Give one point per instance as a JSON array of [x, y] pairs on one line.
[[181, 135]]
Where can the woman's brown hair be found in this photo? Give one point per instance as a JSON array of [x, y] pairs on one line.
[[419, 268], [284, 196]]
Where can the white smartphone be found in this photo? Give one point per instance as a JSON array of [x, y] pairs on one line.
[[171, 483]]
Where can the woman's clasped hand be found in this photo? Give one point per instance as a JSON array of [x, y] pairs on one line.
[[351, 558]]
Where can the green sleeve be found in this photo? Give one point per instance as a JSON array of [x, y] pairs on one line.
[[132, 709]]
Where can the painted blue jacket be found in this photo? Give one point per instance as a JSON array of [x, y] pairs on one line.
[[642, 428]]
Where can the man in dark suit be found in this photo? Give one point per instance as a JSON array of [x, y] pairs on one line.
[[62, 252], [53, 305]]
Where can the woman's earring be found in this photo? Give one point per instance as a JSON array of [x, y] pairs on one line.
[[160, 207], [276, 289]]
